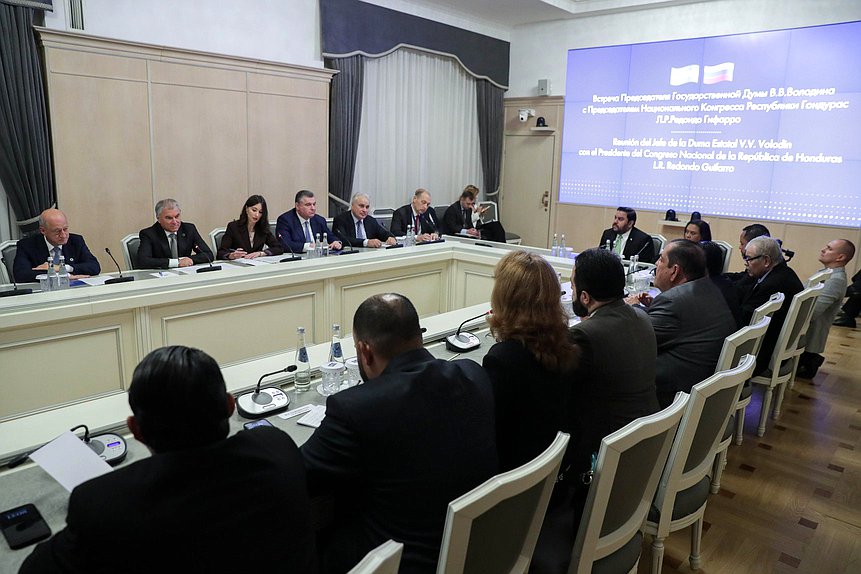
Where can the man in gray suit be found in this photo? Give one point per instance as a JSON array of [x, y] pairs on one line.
[[690, 317]]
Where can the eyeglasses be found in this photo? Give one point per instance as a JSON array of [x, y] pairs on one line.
[[754, 258]]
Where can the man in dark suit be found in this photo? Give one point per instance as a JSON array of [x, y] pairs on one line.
[[463, 218], [769, 274], [396, 450], [298, 228], [170, 242], [420, 215], [626, 240], [53, 241], [358, 228], [690, 317], [202, 502]]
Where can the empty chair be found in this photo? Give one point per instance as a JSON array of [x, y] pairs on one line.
[[820, 276], [8, 249], [658, 241], [629, 464], [784, 358], [745, 341], [384, 559], [383, 216], [494, 527], [684, 488], [727, 253], [130, 244], [215, 237]]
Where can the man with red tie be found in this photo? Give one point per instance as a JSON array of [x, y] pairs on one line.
[[420, 215]]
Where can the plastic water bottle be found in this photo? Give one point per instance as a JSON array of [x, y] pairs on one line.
[[62, 274], [410, 239], [336, 355], [318, 252], [563, 251], [609, 245], [312, 249], [302, 378], [53, 280], [554, 249], [324, 246]]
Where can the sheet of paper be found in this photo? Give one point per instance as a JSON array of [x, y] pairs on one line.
[[163, 274], [314, 417], [97, 280], [251, 262], [69, 461]]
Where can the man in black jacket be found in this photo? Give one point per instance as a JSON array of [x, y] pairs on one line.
[[170, 242], [626, 240], [358, 228]]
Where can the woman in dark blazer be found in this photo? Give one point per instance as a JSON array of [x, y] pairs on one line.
[[250, 236], [530, 365]]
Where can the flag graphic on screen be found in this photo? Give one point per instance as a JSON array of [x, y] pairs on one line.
[[719, 73], [685, 75]]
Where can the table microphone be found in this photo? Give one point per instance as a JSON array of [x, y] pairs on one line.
[[262, 402], [350, 245], [208, 260], [15, 290], [464, 342], [121, 278], [293, 256]]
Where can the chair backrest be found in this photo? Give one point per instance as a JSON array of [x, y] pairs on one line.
[[215, 237], [727, 253], [494, 527], [795, 324], [819, 277], [272, 226], [383, 212], [384, 559], [8, 249], [768, 308], [745, 341], [130, 244], [658, 241], [702, 427], [630, 462]]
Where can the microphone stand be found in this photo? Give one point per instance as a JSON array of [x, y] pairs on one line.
[[121, 278], [208, 260], [293, 256], [268, 400], [464, 342], [15, 290]]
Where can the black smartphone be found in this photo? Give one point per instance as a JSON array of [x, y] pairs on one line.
[[23, 526], [260, 423]]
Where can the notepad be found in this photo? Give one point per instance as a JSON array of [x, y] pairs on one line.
[[314, 417]]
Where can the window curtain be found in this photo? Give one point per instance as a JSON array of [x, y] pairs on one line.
[[419, 130], [345, 120], [491, 120], [25, 161]]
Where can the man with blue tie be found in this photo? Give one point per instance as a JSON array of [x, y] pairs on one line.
[[358, 228], [298, 228], [54, 241]]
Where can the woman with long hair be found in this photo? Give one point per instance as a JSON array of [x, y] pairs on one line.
[[532, 359], [698, 230], [250, 236]]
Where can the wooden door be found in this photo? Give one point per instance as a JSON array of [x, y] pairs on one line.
[[526, 187]]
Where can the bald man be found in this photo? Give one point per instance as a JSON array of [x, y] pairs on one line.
[[54, 241]]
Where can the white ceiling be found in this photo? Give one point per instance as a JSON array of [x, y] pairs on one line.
[[511, 13]]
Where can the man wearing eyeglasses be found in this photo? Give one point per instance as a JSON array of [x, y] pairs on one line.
[[769, 274]]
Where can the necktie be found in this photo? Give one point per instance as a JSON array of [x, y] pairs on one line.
[[617, 247], [56, 256], [466, 220], [308, 237], [360, 230], [174, 254], [416, 226]]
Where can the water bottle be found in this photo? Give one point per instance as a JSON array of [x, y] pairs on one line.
[[324, 246], [312, 248], [609, 245], [335, 353], [554, 249], [410, 239], [302, 378], [52, 281], [318, 252], [563, 251], [62, 274]]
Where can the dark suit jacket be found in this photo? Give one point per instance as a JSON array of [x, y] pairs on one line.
[[32, 252], [398, 449], [638, 242], [781, 279], [403, 217], [453, 220], [222, 508], [691, 322], [292, 235], [236, 237], [513, 371], [345, 229], [615, 381], [154, 250]]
